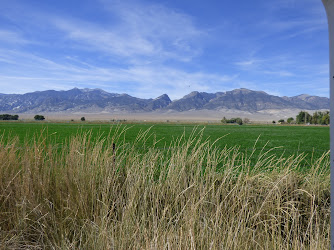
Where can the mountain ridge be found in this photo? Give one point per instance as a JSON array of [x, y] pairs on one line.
[[80, 100]]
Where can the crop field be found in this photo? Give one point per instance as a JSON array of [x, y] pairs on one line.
[[166, 186], [311, 141]]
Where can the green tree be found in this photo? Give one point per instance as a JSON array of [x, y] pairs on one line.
[[325, 119], [281, 121], [39, 117], [6, 117], [290, 120], [316, 117], [9, 117], [83, 119], [303, 117], [239, 121]]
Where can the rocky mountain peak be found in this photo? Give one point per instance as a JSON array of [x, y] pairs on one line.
[[245, 91], [163, 97], [192, 94]]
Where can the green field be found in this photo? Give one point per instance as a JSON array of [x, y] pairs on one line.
[[313, 141]]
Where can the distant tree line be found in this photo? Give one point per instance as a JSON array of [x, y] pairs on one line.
[[9, 117], [318, 117], [304, 117]]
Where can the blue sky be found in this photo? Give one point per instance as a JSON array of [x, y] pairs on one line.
[[150, 47]]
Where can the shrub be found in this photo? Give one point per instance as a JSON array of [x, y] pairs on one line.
[[83, 119]]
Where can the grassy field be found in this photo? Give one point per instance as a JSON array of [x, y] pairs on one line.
[[313, 141], [69, 189]]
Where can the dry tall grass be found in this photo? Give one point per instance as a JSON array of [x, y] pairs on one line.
[[191, 195]]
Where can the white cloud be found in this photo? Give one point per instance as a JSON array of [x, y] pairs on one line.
[[91, 37], [248, 63], [146, 49], [141, 34], [143, 38], [143, 81]]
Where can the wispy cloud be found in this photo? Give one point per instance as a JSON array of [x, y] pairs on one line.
[[139, 46], [142, 81], [142, 33], [146, 48], [250, 63]]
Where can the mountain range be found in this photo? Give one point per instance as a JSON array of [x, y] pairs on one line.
[[97, 100]]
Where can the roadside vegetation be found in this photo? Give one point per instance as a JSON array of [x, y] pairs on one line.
[[190, 194]]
